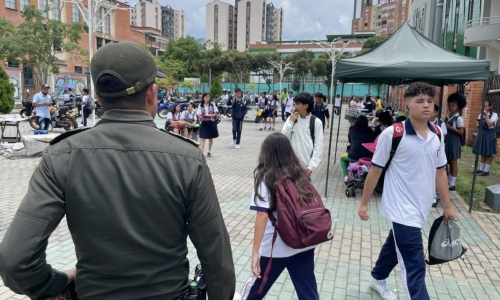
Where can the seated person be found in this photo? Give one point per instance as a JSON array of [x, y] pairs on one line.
[[382, 121], [175, 123], [359, 133]]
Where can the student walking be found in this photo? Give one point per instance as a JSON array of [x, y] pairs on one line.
[[320, 110], [289, 105], [264, 106], [487, 120], [455, 126], [85, 110], [407, 197], [273, 111], [276, 159], [207, 112], [307, 147], [238, 114], [283, 97], [338, 104]]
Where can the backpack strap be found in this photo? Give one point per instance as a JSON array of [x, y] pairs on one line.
[[438, 130], [312, 124], [396, 139]]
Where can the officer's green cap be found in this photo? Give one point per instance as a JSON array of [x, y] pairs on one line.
[[129, 63]]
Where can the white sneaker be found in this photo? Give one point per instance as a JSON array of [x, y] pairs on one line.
[[237, 146], [234, 143], [381, 287], [346, 179]]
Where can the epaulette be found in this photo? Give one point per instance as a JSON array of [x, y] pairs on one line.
[[181, 137], [62, 136]]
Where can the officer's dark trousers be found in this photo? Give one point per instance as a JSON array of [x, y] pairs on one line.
[[283, 112], [301, 269], [43, 123], [237, 127], [404, 245]]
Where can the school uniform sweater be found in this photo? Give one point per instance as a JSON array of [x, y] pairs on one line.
[[300, 138]]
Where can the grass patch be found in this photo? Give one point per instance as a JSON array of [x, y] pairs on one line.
[[464, 181]]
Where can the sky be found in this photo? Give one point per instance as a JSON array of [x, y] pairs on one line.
[[303, 19]]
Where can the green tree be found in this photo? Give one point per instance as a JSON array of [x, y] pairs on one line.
[[261, 66], [215, 89], [37, 41], [372, 43], [301, 62], [187, 50], [321, 66], [6, 93], [296, 84], [240, 63]]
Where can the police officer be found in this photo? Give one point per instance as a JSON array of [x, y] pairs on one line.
[[128, 222]]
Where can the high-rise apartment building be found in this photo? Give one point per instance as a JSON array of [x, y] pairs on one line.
[[146, 13], [221, 24], [150, 14], [237, 26], [383, 18]]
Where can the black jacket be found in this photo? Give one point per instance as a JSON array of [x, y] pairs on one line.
[[356, 139], [239, 109]]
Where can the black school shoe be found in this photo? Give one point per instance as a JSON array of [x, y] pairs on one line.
[[483, 174], [451, 188], [435, 203]]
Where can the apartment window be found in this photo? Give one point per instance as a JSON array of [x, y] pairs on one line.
[[98, 17], [107, 24], [10, 4], [56, 12], [75, 12], [12, 64], [43, 5], [24, 3], [99, 42], [384, 22], [28, 77], [78, 70]]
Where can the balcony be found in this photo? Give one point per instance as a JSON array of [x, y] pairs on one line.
[[483, 32]]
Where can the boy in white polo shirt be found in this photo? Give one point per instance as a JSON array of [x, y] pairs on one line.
[[418, 166]]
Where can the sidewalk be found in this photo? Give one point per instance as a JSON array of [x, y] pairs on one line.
[[342, 265]]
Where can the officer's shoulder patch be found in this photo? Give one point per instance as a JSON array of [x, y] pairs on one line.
[[181, 137], [62, 136]]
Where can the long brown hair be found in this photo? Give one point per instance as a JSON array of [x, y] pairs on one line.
[[277, 160]]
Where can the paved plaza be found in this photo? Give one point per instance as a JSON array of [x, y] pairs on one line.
[[342, 265]]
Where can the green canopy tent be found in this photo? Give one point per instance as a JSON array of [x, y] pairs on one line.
[[406, 57]]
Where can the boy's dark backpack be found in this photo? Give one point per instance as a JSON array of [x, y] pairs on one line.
[[301, 224], [90, 104], [396, 139]]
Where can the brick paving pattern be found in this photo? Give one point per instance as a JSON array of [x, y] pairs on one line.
[[342, 266]]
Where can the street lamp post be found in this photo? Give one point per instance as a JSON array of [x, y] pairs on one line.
[[334, 56], [282, 67], [89, 14]]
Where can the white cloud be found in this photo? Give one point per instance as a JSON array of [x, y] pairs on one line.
[[303, 19]]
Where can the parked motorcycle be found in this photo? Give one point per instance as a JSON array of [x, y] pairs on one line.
[[27, 111], [98, 109], [61, 117], [165, 108]]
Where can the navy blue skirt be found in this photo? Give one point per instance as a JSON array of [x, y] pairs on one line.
[[488, 143]]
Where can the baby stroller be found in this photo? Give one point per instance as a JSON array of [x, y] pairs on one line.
[[357, 172]]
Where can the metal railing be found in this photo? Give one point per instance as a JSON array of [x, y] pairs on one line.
[[483, 22]]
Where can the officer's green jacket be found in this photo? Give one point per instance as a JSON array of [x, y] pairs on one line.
[[131, 194]]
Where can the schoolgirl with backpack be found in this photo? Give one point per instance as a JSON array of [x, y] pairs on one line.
[[455, 137], [291, 221]]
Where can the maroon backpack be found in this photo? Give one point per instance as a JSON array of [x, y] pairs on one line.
[[300, 224]]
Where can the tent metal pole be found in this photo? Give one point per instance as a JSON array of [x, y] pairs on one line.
[[338, 129], [441, 95], [330, 145], [479, 136]]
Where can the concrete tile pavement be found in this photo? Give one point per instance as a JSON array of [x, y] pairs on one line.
[[342, 265]]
